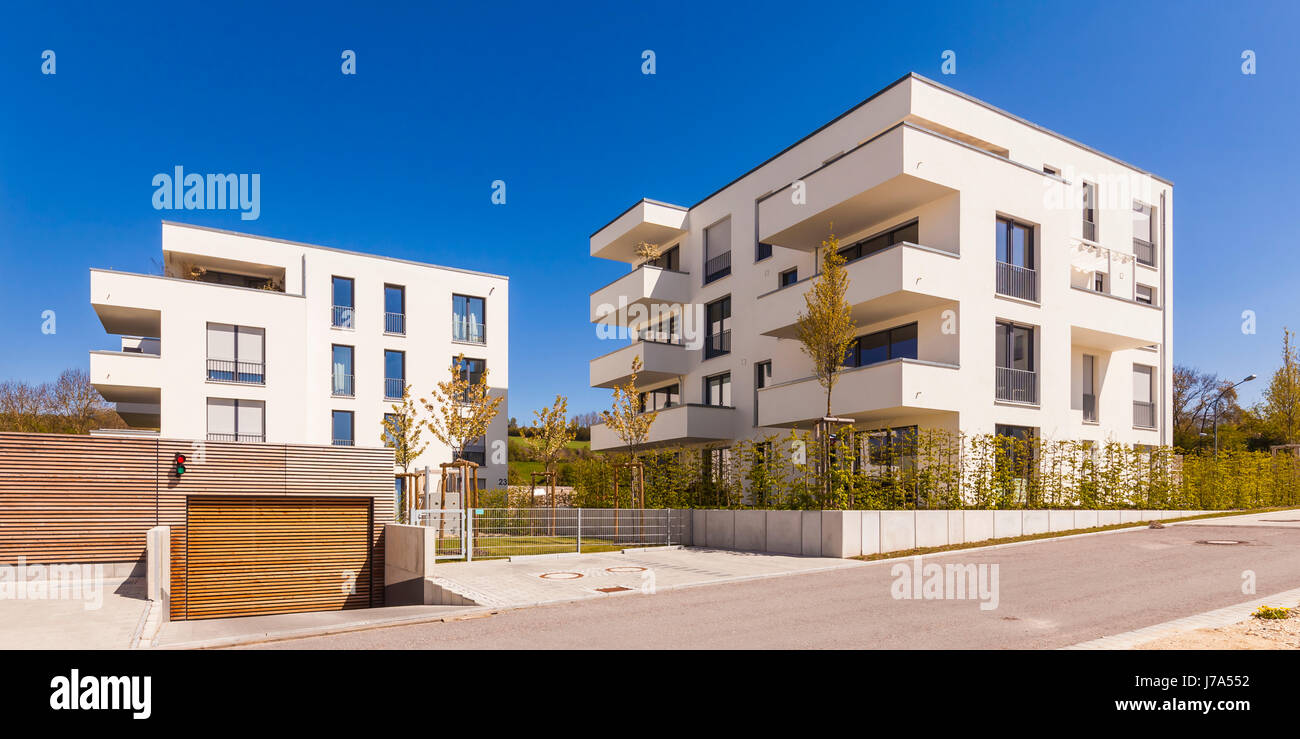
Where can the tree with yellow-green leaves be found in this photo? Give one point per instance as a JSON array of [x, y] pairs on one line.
[[626, 418], [401, 433], [1280, 407], [551, 433], [460, 410]]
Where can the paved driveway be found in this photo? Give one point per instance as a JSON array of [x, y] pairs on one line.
[[67, 623]]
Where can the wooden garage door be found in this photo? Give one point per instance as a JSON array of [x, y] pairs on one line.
[[250, 556]]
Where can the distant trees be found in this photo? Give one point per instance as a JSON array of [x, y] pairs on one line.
[[1280, 408], [68, 405], [1274, 420]]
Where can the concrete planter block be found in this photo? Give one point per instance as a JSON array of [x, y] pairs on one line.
[[1035, 522], [931, 528], [1007, 523], [978, 525], [785, 532], [751, 531], [812, 533], [1130, 516], [699, 530], [1107, 518], [721, 530], [682, 520], [1060, 520], [870, 532], [1085, 519], [841, 533], [897, 530], [956, 527]]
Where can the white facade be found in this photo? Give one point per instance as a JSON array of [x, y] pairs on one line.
[[919, 175], [281, 363]]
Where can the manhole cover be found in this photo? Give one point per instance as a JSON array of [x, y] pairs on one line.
[[613, 589], [560, 575], [1221, 542], [625, 568]]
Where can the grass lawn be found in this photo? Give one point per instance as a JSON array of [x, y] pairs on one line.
[[495, 546]]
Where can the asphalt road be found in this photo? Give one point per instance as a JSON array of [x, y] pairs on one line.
[[1051, 593]]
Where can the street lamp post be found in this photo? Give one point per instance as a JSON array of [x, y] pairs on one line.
[[1215, 403]]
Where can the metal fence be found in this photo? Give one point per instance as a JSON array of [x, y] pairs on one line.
[[1017, 281], [493, 533], [1016, 385]]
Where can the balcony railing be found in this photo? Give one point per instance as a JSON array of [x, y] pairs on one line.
[[395, 323], [659, 337], [477, 456], [343, 316], [1017, 385], [1016, 281], [229, 370], [1144, 414], [715, 345], [717, 267], [1145, 252], [394, 387], [249, 438], [341, 385], [342, 442], [473, 332], [1090, 230], [1089, 408]]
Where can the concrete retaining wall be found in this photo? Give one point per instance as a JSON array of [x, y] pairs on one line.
[[853, 533]]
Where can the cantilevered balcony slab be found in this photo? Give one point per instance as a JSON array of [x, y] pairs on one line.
[[879, 392], [682, 424], [659, 362], [645, 286], [650, 221], [1109, 323], [903, 279], [126, 303]]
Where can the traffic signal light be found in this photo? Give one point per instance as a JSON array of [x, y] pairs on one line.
[[179, 464]]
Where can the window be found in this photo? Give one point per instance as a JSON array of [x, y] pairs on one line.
[[394, 374], [660, 398], [390, 421], [236, 354], [717, 341], [1048, 169], [866, 247], [1016, 379], [472, 370], [1016, 456], [344, 307], [717, 251], [762, 376], [717, 389], [715, 463], [670, 259], [789, 277], [762, 251], [236, 420], [1090, 211], [1099, 282], [467, 319], [394, 309], [341, 425], [892, 447], [1144, 407], [1089, 388], [341, 371], [1143, 237], [1145, 294], [1014, 247], [663, 332], [894, 343]]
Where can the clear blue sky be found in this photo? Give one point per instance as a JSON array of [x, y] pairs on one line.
[[550, 98]]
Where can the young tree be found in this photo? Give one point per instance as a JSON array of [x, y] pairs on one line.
[[1281, 402], [401, 433], [825, 328], [550, 435], [461, 410], [626, 417]]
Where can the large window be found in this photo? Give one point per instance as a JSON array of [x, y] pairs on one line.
[[1090, 211], [394, 309], [669, 259], [894, 343], [236, 354], [762, 376], [230, 419], [661, 398], [1016, 274], [1144, 407], [1016, 457], [1143, 236], [342, 427], [1089, 388], [471, 370], [467, 319], [717, 341], [717, 251], [894, 447], [909, 232], [394, 374], [717, 389], [341, 377], [343, 315], [1016, 377]]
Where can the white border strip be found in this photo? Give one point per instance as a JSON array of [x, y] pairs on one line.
[[1208, 620]]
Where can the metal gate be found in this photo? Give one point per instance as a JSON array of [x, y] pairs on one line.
[[453, 525]]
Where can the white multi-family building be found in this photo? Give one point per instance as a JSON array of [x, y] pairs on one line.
[[252, 339], [1004, 279]]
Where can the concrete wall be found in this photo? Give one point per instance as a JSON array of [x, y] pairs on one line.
[[408, 560], [853, 533]]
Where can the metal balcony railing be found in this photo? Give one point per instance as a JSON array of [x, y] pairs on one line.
[[395, 323], [659, 337], [229, 370], [715, 345], [1144, 414], [341, 385], [1017, 385], [1089, 408], [473, 332], [1145, 252], [394, 388], [1016, 281], [717, 267], [343, 316], [249, 438], [342, 442]]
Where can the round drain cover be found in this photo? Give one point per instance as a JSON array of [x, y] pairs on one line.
[[560, 575], [625, 568], [1221, 541]]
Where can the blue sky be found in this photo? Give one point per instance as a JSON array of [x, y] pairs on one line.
[[550, 98]]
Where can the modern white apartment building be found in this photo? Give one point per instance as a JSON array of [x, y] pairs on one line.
[[253, 339], [1004, 279]]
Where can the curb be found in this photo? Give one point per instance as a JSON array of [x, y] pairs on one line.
[[1210, 619]]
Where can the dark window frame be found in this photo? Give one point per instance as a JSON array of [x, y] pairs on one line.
[[853, 357]]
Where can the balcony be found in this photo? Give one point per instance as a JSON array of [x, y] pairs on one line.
[[681, 424], [395, 323], [1016, 386], [394, 388], [229, 370], [1144, 252], [1111, 323], [648, 221], [717, 267], [467, 331], [865, 187], [341, 385], [1016, 281], [660, 361], [133, 381], [242, 438], [874, 393], [902, 279], [645, 286], [126, 303], [1144, 415], [343, 316]]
